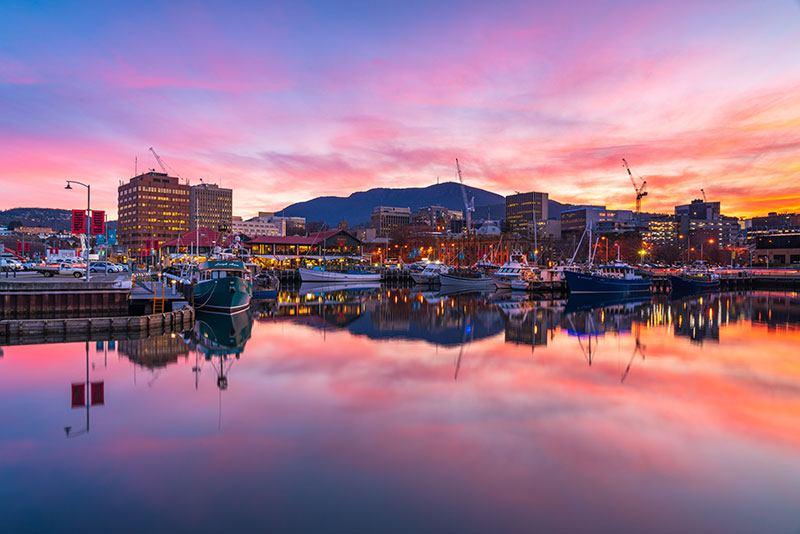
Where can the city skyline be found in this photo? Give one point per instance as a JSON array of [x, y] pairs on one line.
[[283, 104]]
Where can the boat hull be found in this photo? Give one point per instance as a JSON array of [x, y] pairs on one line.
[[228, 294], [449, 280], [682, 284], [316, 275], [591, 283]]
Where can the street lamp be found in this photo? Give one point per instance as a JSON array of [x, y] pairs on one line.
[[85, 219]]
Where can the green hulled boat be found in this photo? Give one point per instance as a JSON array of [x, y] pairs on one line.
[[222, 286]]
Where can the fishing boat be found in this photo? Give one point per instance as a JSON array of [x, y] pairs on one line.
[[465, 278], [323, 274], [223, 286], [617, 277], [694, 281], [511, 270], [430, 275]]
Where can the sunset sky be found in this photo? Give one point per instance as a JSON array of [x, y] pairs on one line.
[[290, 101]]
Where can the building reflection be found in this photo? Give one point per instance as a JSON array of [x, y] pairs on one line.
[[156, 351], [379, 313]]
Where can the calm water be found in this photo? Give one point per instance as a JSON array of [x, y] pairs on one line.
[[405, 411]]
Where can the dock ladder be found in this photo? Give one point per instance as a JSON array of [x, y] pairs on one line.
[[158, 301]]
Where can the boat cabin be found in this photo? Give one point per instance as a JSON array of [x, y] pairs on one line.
[[216, 269], [621, 271]]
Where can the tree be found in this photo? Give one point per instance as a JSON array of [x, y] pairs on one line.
[[13, 225]]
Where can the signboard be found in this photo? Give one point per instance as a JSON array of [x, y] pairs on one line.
[[78, 222], [20, 247], [98, 222]]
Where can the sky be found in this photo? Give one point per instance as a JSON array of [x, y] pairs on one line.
[[284, 102]]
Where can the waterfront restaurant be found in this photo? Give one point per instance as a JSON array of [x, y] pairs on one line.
[[288, 250]]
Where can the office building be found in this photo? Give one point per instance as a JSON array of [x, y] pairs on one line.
[[523, 208], [385, 219], [211, 206], [151, 207], [576, 219], [702, 221]]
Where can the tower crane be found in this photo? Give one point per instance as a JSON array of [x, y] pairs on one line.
[[468, 206], [158, 159], [704, 194], [165, 165], [640, 189]]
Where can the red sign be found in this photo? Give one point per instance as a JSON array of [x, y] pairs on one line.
[[19, 247], [78, 395], [98, 222], [146, 251], [78, 222], [97, 393]]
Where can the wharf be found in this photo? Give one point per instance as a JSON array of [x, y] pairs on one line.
[[35, 296]]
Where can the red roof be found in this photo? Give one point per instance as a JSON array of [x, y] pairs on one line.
[[313, 239], [206, 239]]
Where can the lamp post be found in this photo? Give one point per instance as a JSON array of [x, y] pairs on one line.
[[85, 220]]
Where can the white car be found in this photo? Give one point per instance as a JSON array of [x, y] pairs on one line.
[[8, 264], [103, 267]]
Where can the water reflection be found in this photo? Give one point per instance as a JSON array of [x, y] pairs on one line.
[[341, 408]]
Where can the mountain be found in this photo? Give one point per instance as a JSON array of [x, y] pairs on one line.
[[48, 217], [356, 208], [56, 219]]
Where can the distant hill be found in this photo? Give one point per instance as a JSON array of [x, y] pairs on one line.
[[356, 208], [56, 219], [49, 217]]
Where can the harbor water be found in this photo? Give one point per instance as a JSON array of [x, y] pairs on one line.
[[397, 410]]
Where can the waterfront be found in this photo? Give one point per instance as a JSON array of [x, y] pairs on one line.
[[398, 410]]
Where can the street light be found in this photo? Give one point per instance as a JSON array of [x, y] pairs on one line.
[[85, 219]]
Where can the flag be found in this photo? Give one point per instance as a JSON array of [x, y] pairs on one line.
[[78, 395], [78, 222], [97, 393], [98, 222]]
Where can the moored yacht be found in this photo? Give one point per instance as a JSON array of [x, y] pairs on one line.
[[322, 274], [511, 270], [431, 274]]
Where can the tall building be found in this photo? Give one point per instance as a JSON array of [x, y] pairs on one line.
[[701, 221], [151, 207], [522, 208], [385, 219], [212, 206]]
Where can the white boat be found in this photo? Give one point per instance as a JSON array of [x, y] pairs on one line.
[[511, 270], [465, 279], [431, 274], [320, 274]]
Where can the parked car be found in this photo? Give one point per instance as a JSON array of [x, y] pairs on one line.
[[8, 264], [123, 267], [104, 267]]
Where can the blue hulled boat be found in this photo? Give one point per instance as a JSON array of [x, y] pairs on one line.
[[619, 278], [694, 282]]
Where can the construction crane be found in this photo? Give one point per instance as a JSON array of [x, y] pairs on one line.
[[704, 194], [640, 189], [158, 159], [468, 206]]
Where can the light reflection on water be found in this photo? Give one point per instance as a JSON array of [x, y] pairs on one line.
[[398, 410]]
